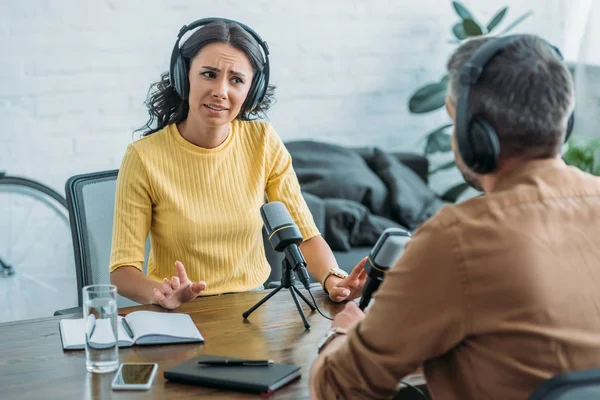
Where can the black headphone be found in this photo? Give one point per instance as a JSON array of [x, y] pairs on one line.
[[476, 138], [178, 74]]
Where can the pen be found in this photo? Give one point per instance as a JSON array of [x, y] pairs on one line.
[[236, 363], [92, 331], [127, 328]]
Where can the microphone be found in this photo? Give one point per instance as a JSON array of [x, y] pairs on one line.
[[284, 236], [382, 257]]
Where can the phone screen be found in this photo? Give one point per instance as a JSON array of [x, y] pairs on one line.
[[134, 374]]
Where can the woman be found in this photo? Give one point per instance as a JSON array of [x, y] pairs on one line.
[[196, 181]]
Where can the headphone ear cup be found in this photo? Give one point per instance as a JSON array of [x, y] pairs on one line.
[[260, 88], [254, 94], [485, 146], [570, 124], [180, 78]]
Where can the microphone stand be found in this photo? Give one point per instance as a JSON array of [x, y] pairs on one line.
[[287, 282]]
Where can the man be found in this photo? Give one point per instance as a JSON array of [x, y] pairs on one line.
[[498, 293]]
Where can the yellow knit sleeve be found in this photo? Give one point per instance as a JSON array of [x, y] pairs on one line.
[[133, 213], [283, 185]]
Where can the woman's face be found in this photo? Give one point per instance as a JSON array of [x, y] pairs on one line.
[[220, 78]]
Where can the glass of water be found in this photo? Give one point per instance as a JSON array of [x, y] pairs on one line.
[[101, 333]]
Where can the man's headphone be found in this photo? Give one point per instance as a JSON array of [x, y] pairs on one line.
[[178, 74], [476, 138]]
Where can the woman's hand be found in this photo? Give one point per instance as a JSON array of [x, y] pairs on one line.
[[350, 287], [178, 290]]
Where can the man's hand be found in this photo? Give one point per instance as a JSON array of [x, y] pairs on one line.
[[350, 287], [348, 317], [178, 290]]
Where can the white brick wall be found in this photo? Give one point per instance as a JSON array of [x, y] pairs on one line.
[[74, 73]]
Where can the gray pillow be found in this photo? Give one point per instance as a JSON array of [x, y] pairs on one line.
[[350, 224], [331, 171], [411, 201]]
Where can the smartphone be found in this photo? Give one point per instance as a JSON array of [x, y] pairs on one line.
[[135, 376]]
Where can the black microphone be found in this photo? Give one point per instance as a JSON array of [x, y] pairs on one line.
[[383, 256], [284, 235]]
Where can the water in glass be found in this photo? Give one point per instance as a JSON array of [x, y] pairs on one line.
[[101, 336]]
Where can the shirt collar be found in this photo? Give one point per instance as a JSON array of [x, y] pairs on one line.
[[525, 171]]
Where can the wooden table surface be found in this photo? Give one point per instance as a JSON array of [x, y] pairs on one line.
[[33, 364]]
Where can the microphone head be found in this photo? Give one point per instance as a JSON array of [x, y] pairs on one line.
[[281, 228], [274, 215], [383, 256], [387, 250]]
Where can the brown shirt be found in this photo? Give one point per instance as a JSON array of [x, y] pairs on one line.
[[492, 296]]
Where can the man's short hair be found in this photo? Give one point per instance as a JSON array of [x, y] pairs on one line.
[[526, 93]]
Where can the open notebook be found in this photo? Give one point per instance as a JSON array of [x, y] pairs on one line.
[[148, 327]]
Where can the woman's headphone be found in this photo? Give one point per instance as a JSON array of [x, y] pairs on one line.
[[476, 138], [178, 73]]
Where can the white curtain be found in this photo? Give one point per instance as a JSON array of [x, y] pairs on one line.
[[582, 50]]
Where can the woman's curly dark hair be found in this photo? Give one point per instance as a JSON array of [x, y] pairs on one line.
[[165, 106]]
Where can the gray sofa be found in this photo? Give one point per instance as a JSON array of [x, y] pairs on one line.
[[346, 259]]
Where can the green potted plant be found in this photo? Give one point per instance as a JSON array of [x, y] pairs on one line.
[[432, 96], [584, 153]]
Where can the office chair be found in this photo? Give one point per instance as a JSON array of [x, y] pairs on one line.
[[577, 385], [90, 201]]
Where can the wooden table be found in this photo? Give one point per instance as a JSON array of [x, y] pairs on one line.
[[34, 366]]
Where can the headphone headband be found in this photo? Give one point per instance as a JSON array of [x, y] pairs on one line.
[[205, 21]]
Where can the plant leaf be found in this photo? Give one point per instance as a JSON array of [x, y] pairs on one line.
[[461, 10], [428, 98], [455, 191], [438, 141], [496, 19], [472, 28], [584, 154], [445, 166], [516, 22], [441, 128], [576, 157], [458, 31], [596, 162]]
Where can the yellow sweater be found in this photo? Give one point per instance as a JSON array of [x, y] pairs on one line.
[[202, 206]]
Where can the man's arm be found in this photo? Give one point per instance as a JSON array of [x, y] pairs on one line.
[[419, 313]]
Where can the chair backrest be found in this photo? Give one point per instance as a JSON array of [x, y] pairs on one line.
[[91, 202], [577, 385]]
